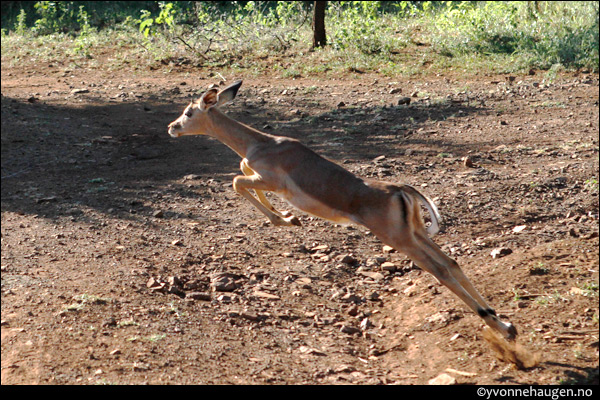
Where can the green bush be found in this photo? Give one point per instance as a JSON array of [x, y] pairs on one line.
[[561, 32], [362, 35]]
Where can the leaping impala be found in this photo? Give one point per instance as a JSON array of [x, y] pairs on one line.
[[322, 188]]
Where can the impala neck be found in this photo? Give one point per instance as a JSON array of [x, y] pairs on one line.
[[237, 136]]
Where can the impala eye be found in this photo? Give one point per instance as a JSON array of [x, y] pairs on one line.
[[188, 113]]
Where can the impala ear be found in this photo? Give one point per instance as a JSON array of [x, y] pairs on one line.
[[228, 94], [208, 99]]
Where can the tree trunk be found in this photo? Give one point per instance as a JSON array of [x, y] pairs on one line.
[[319, 37]]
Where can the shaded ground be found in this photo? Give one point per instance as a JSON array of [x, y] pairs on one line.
[[127, 258]]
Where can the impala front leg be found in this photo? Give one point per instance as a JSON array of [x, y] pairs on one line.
[[241, 184]]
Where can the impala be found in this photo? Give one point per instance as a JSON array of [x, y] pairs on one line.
[[324, 189]]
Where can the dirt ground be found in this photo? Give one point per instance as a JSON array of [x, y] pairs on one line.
[[127, 258]]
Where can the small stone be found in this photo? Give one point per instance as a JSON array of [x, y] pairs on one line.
[[249, 316], [365, 324], [376, 276], [388, 249], [224, 298], [266, 295], [395, 90], [443, 379], [500, 252], [410, 291], [174, 281], [310, 350], [198, 296], [154, 284], [519, 228], [77, 91], [353, 310], [373, 296], [468, 162], [222, 283], [404, 100], [577, 291], [350, 330], [351, 298], [389, 267], [347, 259], [320, 249]]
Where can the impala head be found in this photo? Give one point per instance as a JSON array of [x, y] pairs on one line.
[[194, 118]]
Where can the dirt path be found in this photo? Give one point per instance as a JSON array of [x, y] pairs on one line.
[[127, 258]]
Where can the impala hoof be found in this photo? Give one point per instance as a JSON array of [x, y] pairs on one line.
[[294, 221], [287, 221], [511, 333]]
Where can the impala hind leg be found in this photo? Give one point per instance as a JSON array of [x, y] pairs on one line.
[[241, 184], [429, 257]]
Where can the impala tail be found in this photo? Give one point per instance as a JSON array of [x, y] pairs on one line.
[[429, 205]]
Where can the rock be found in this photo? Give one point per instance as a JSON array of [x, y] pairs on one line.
[[376, 276], [155, 284], [468, 162], [174, 281], [351, 298], [410, 291], [249, 316], [158, 214], [388, 249], [198, 296], [404, 100], [365, 324], [500, 252], [395, 90], [577, 291], [374, 296], [266, 295], [192, 177], [77, 91], [389, 267], [320, 249], [350, 330], [353, 310], [347, 259], [519, 228], [440, 319], [222, 282], [341, 104], [310, 350], [442, 379], [224, 298]]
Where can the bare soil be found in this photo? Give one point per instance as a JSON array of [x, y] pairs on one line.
[[127, 258]]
